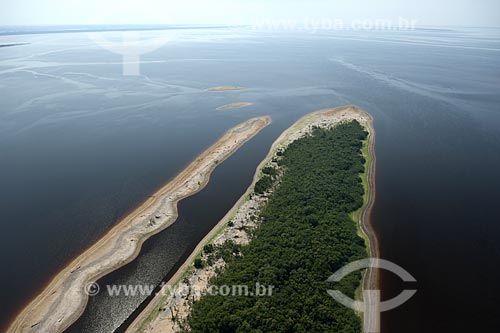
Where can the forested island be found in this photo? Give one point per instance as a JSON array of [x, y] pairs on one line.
[[303, 218], [306, 234]]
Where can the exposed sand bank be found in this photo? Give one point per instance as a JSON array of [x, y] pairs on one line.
[[371, 321], [64, 299], [225, 88], [158, 316], [234, 105]]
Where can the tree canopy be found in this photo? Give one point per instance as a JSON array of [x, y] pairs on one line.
[[306, 235]]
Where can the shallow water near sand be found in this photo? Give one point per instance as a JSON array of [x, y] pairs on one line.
[[81, 145]]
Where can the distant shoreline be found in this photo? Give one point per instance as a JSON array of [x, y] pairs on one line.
[[64, 29], [63, 301], [149, 319], [13, 44]]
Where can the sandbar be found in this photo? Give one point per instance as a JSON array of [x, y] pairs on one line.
[[63, 301], [225, 88], [170, 299], [234, 105]]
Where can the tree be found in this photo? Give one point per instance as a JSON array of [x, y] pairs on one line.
[[305, 236]]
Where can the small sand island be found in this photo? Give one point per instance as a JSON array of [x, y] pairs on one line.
[[65, 298], [234, 105], [170, 308], [225, 88]]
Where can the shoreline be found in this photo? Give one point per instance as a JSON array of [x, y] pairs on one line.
[[150, 316], [371, 279], [64, 299]]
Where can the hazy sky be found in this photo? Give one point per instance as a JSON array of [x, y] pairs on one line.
[[426, 12]]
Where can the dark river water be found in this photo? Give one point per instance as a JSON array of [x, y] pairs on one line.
[[81, 145]]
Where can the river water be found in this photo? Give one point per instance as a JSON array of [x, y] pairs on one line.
[[81, 145]]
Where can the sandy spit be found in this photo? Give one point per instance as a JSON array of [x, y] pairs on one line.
[[157, 316], [63, 301], [234, 105], [225, 88]]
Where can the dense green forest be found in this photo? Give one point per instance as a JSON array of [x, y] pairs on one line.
[[305, 236]]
